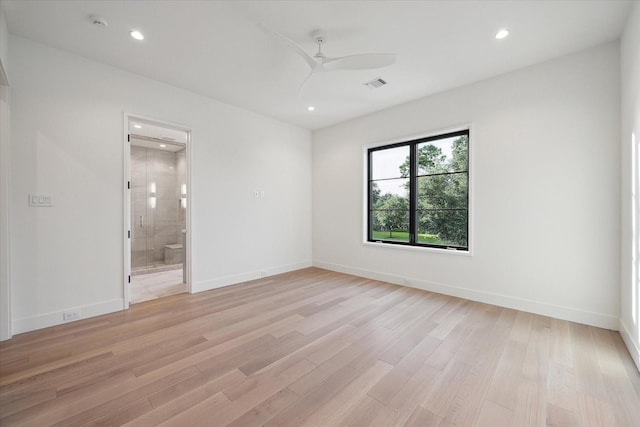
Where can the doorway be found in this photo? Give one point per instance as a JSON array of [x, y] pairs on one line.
[[158, 210]]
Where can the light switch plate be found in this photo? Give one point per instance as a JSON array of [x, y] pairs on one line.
[[40, 200]]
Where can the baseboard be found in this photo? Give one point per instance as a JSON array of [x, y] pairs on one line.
[[207, 285], [632, 345], [537, 307], [27, 324]]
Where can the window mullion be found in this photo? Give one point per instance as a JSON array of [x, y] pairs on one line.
[[413, 193], [370, 196]]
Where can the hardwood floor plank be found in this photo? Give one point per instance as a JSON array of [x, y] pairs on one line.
[[446, 388], [296, 413], [493, 415], [120, 401], [202, 414], [619, 389], [413, 393], [266, 410], [22, 401], [504, 386], [561, 387], [422, 418], [364, 413], [389, 386], [318, 348], [167, 408], [558, 416], [595, 412], [335, 409], [585, 361], [255, 390], [121, 416]]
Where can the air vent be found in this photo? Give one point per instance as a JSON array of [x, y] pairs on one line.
[[375, 83]]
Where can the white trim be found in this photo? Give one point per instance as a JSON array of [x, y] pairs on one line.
[[600, 320], [126, 203], [126, 198], [27, 324], [431, 249], [207, 285], [364, 201], [632, 345]]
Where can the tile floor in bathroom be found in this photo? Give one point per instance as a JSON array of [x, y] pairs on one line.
[[145, 287]]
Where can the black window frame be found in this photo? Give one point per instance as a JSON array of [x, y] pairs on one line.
[[413, 190]]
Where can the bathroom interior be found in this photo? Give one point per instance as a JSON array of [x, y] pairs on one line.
[[158, 211]]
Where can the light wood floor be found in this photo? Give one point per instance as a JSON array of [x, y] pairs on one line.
[[317, 348], [145, 287]]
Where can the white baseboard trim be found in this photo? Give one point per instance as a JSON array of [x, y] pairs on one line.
[[27, 324], [632, 345], [207, 285], [537, 307]]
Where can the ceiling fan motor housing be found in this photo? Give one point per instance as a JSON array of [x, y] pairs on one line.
[[320, 37]]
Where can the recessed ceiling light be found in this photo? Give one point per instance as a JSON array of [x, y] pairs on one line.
[[137, 35], [311, 108], [502, 34], [163, 145], [137, 126]]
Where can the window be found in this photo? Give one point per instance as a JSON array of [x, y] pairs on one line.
[[419, 192]]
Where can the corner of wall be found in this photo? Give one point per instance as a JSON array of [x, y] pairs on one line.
[[632, 346], [630, 175]]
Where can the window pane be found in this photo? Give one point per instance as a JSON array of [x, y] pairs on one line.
[[390, 209], [443, 155], [390, 187], [443, 191], [390, 163], [446, 228], [391, 224]]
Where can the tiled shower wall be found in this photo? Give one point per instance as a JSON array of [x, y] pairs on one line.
[[154, 227]]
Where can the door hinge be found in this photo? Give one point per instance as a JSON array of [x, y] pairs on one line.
[[128, 138], [129, 184], [129, 279], [129, 233]]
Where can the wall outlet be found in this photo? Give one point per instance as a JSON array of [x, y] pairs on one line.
[[71, 315]]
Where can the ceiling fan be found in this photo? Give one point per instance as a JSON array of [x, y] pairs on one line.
[[322, 63]]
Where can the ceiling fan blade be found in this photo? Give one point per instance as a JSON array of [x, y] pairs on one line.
[[293, 45], [365, 61], [304, 83]]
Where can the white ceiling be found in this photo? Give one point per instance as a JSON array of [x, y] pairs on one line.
[[215, 48]]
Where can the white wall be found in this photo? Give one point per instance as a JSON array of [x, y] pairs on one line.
[[5, 271], [4, 39], [67, 126], [630, 264], [545, 182]]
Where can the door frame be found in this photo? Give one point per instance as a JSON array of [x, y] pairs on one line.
[[128, 117]]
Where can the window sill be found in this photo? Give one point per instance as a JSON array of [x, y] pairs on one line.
[[418, 249]]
